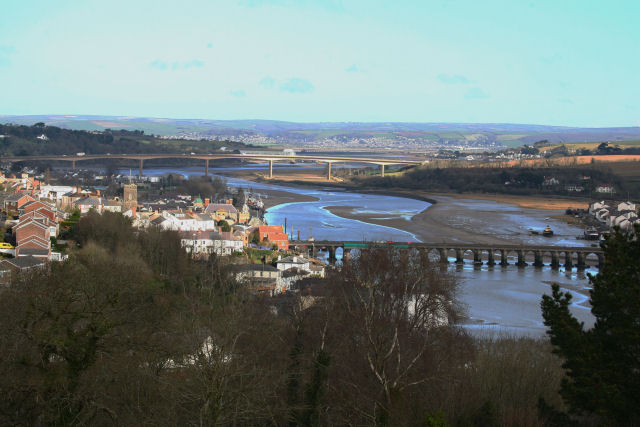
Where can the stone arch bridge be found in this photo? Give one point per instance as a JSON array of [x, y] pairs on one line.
[[535, 255]]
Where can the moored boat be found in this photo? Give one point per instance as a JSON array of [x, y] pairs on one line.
[[547, 232]]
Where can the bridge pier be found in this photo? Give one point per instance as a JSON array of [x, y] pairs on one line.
[[555, 259], [382, 170], [521, 262], [141, 167], [206, 167], [459, 256], [503, 258], [477, 256], [73, 165], [270, 168], [332, 254], [491, 260], [443, 256], [568, 260], [581, 261], [600, 261], [346, 255], [328, 171], [538, 259]]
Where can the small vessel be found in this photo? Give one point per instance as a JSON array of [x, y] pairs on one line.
[[532, 231], [591, 233], [547, 232]]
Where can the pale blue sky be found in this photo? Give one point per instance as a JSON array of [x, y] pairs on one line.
[[560, 62]]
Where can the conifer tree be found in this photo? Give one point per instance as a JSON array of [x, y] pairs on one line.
[[602, 363]]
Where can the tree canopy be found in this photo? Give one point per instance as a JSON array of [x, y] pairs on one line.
[[602, 363]]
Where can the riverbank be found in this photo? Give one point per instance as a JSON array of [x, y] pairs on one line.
[[279, 197], [467, 220], [461, 218]]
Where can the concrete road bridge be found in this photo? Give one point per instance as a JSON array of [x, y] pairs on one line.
[[523, 255], [263, 157]]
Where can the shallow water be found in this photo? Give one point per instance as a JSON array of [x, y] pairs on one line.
[[505, 299]]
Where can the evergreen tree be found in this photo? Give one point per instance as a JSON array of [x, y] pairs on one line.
[[603, 363]]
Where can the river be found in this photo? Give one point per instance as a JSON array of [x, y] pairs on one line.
[[497, 299]]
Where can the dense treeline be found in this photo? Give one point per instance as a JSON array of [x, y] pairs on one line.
[[131, 331], [20, 140], [520, 180]]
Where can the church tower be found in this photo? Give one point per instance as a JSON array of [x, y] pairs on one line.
[[130, 199]]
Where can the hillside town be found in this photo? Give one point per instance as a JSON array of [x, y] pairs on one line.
[[37, 219]]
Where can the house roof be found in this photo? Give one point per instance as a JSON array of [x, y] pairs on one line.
[[88, 201], [33, 252], [32, 221], [199, 235], [213, 207], [293, 260], [253, 267], [15, 197], [23, 262], [35, 239]]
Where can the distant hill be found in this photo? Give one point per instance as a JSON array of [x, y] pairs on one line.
[[391, 134], [38, 139]]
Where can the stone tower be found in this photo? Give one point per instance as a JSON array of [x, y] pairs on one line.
[[130, 199]]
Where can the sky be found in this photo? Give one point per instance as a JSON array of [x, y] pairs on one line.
[[572, 63]]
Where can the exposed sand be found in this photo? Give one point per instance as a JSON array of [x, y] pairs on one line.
[[463, 220]]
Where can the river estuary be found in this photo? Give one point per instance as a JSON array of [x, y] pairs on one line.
[[498, 299]]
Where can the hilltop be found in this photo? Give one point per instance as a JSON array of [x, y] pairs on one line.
[[351, 135]]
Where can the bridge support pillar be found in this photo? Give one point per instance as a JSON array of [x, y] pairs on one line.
[[332, 254], [538, 259], [477, 256], [270, 168], [568, 260], [581, 261], [555, 259], [503, 257], [382, 170], [600, 261], [329, 171], [443, 256], [491, 260], [141, 167], [459, 256], [206, 167], [521, 261], [73, 165], [346, 255]]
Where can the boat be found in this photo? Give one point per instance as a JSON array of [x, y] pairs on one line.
[[532, 231], [547, 232], [591, 233]]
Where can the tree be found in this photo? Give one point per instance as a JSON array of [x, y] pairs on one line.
[[392, 334], [224, 225], [603, 363]]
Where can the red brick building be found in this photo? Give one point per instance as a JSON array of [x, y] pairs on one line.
[[274, 234]]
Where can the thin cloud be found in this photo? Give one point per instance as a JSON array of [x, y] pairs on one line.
[[209, 45], [238, 93], [476, 93], [296, 85], [453, 79], [267, 82]]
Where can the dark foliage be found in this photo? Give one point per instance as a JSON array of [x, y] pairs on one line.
[[603, 363]]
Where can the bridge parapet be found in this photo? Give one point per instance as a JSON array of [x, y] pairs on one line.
[[553, 254]]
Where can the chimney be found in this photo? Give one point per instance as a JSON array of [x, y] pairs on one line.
[[133, 211]]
